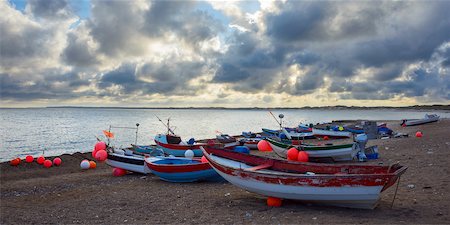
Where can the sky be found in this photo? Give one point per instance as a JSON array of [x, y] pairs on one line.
[[223, 53]]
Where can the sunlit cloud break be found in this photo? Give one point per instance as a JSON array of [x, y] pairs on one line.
[[230, 54]]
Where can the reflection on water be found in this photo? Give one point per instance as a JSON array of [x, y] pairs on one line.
[[68, 130]]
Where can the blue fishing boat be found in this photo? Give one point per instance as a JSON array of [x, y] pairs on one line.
[[182, 170]]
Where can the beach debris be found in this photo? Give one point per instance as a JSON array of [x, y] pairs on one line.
[[274, 202], [292, 154], [92, 165], [387, 148], [264, 146], [15, 162], [411, 186], [227, 194], [57, 161], [384, 138], [48, 163], [429, 152], [189, 154], [419, 134], [247, 214], [40, 160], [85, 164], [303, 156], [314, 218], [118, 172], [29, 159], [101, 155]]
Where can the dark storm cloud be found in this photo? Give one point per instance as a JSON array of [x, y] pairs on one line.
[[77, 52], [48, 9], [181, 18], [228, 73], [153, 78], [51, 87]]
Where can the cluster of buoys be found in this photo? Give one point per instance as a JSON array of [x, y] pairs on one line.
[[264, 146], [99, 153], [47, 163], [294, 154], [86, 164]]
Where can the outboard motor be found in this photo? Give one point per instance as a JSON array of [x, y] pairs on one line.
[[361, 141]]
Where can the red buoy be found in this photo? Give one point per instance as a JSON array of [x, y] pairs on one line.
[[57, 161], [118, 172], [40, 160], [100, 146], [292, 154], [264, 146], [303, 156], [47, 163], [419, 134], [29, 159], [274, 202], [101, 155], [15, 162]]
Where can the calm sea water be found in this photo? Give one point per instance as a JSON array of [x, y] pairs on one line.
[[56, 131]]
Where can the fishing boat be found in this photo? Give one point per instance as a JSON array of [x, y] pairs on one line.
[[331, 133], [172, 145], [129, 160], [429, 118], [181, 169], [251, 143], [288, 134], [344, 152], [351, 185]]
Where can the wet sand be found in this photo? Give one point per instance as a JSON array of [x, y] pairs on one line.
[[32, 194]]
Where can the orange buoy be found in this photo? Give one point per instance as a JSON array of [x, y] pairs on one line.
[[92, 165], [292, 154], [264, 146], [274, 202], [303, 156], [15, 162]]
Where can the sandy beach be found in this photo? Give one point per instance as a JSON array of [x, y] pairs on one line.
[[32, 194]]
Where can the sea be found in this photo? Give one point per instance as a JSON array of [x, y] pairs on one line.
[[57, 131]]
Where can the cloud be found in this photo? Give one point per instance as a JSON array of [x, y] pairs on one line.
[[215, 53]]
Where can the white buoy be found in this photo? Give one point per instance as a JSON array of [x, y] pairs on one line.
[[85, 164], [189, 154]]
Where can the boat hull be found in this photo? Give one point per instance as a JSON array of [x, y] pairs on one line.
[[331, 133], [133, 163], [355, 186], [169, 170], [337, 153]]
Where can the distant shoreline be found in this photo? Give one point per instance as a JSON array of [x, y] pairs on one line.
[[338, 107]]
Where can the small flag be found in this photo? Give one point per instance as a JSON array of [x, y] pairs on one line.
[[108, 134]]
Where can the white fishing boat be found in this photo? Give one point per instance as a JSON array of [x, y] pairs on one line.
[[351, 185], [330, 133], [429, 118]]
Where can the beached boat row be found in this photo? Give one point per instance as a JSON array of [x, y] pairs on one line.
[[228, 158]]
